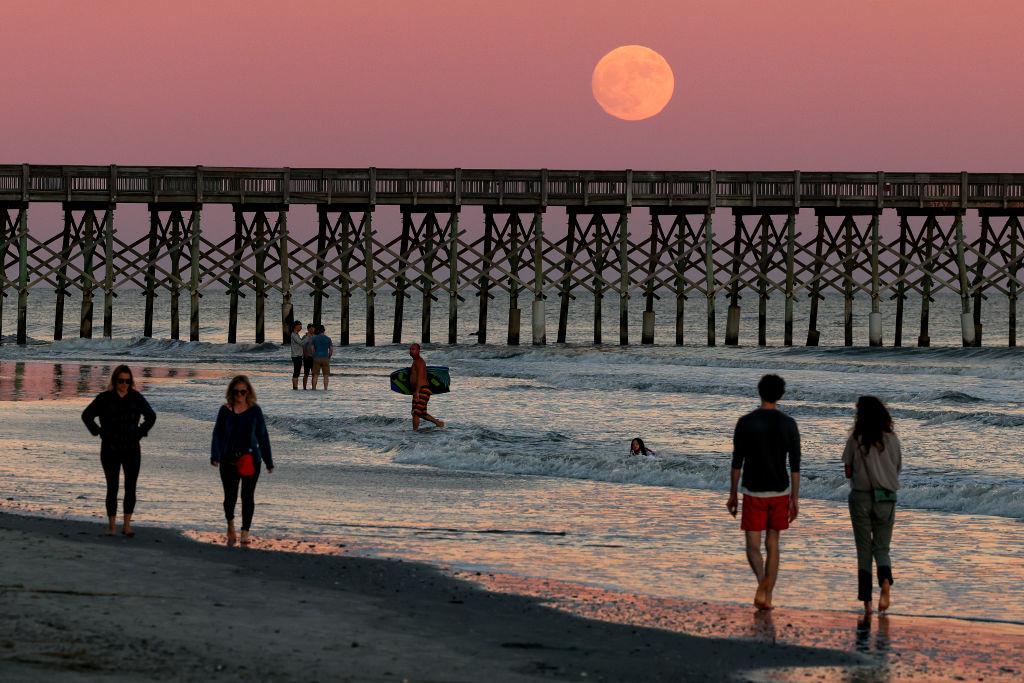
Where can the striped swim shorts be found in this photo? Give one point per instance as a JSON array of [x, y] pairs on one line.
[[419, 402]]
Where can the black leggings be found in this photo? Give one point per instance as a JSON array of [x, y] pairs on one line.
[[229, 477], [296, 366], [113, 459]]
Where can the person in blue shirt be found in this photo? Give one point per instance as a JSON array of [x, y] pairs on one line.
[[323, 349]]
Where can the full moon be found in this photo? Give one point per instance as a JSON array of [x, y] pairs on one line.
[[632, 82]]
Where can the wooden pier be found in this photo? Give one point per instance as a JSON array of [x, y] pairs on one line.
[[628, 234]]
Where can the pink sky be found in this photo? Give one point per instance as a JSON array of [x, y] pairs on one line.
[[809, 84]]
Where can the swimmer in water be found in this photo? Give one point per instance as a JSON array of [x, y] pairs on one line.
[[637, 447]]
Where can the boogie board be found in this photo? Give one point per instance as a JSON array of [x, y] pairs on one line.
[[437, 377]]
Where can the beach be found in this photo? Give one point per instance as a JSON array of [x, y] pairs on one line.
[[79, 606], [530, 492]]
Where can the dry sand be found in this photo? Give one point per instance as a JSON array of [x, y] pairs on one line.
[[76, 605]]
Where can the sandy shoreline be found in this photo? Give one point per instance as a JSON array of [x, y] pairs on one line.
[[80, 606]]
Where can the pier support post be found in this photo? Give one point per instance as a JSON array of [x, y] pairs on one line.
[[396, 330], [260, 249], [323, 223], [426, 280], [901, 285], [345, 290], [195, 254], [539, 319], [679, 286], [371, 275], [87, 279], [22, 332], [762, 282], [787, 333], [566, 285], [151, 259], [979, 273], [62, 278], [453, 278], [8, 239], [623, 234], [923, 339], [484, 289], [647, 331], [284, 255], [710, 281], [848, 225], [732, 321], [175, 246], [813, 334], [108, 273], [7, 229], [966, 317], [875, 317], [598, 281], [514, 226], [233, 283], [1012, 289]]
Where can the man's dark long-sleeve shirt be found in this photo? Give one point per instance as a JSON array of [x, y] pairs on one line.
[[760, 445], [119, 418]]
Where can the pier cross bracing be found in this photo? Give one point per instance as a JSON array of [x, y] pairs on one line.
[[629, 235]]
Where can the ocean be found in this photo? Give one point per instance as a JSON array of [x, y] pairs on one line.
[[532, 477]]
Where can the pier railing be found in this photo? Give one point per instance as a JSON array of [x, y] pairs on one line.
[[628, 233]]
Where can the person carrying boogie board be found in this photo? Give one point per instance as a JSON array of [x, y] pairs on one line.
[[420, 389]]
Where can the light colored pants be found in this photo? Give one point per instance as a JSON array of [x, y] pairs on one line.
[[872, 532]]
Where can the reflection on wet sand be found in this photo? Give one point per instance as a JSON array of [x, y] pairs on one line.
[[907, 648], [36, 381]]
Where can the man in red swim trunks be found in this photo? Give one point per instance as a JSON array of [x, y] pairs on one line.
[[420, 389], [762, 442]]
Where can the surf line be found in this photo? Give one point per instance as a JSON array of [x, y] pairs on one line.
[[516, 532]]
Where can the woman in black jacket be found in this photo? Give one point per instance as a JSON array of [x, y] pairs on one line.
[[120, 409], [240, 431]]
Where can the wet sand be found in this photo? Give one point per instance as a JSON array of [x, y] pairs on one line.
[[80, 606]]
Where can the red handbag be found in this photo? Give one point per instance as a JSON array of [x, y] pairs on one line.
[[246, 465]]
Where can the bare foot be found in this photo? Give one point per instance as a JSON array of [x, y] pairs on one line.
[[127, 530], [111, 526], [885, 599], [245, 538], [867, 607], [440, 424], [761, 600], [232, 538]]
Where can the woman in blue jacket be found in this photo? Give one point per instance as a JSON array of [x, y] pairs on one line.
[[240, 431]]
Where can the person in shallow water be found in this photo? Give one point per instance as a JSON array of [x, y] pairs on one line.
[[323, 350], [239, 446], [638, 447], [873, 461], [295, 342], [120, 409], [307, 354], [762, 442], [420, 389]]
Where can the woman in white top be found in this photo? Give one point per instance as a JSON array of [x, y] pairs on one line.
[[873, 461]]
